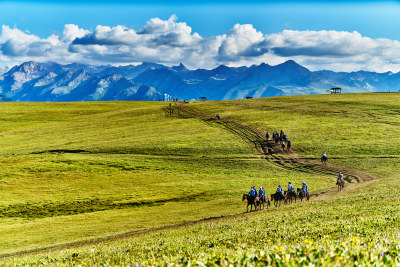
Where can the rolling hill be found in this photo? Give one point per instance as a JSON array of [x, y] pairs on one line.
[[152, 189]]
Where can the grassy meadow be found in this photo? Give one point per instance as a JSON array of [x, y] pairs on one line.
[[360, 227], [73, 172]]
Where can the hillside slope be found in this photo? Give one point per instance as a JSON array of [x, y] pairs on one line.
[[339, 229]]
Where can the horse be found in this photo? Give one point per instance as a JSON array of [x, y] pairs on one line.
[[264, 200], [283, 145], [267, 136], [301, 194], [340, 184], [250, 202], [289, 195], [277, 139], [289, 145], [324, 159], [277, 198]]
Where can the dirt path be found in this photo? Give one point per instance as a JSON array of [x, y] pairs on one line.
[[277, 157]]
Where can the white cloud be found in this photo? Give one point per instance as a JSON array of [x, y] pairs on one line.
[[241, 41], [14, 42], [341, 51], [71, 32], [170, 42]]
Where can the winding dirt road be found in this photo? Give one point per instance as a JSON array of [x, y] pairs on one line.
[[288, 160]]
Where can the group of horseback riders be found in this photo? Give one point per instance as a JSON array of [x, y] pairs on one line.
[[290, 189], [259, 197], [253, 192], [280, 138]]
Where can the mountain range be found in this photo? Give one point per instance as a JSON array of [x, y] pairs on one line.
[[33, 81]]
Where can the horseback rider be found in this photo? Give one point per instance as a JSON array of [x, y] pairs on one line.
[[267, 135], [290, 187], [324, 158], [252, 192], [280, 190], [261, 193], [341, 177], [218, 117], [304, 187]]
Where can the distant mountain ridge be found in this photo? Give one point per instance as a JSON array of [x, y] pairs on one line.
[[33, 81]]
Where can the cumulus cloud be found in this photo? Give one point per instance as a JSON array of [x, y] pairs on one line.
[[170, 42], [14, 42], [325, 49], [72, 32], [241, 41], [319, 43], [104, 35]]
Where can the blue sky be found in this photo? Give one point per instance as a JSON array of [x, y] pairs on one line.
[[376, 19], [210, 20]]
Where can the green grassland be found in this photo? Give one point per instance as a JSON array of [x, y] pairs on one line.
[[73, 172], [82, 171]]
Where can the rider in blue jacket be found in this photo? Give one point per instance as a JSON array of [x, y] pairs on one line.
[[304, 187], [252, 192], [279, 190]]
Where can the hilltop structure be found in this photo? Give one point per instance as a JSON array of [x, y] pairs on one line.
[[336, 90]]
